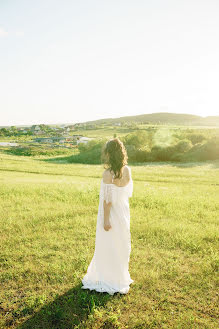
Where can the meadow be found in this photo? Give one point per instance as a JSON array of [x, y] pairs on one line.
[[48, 213]]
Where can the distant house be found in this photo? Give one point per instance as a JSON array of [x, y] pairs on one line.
[[71, 127], [59, 139], [36, 130], [44, 140], [117, 124], [54, 139], [8, 144], [23, 130], [65, 131], [75, 139], [84, 140]]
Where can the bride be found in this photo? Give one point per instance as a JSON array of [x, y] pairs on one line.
[[109, 268]]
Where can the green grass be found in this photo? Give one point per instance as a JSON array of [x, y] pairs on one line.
[[48, 217]]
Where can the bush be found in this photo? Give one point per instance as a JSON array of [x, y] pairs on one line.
[[159, 153], [183, 146], [211, 149], [136, 139], [139, 156], [89, 153], [84, 147], [170, 153], [206, 151], [177, 157], [196, 138], [36, 151], [25, 151]]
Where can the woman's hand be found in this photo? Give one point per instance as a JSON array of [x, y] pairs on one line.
[[107, 226]]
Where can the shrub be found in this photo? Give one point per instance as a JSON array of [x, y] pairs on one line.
[[206, 151], [170, 153], [159, 153], [178, 157], [140, 156], [137, 139], [89, 153], [36, 151], [196, 138], [82, 147], [183, 146]]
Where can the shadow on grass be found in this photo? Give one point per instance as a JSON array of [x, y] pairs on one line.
[[67, 310]]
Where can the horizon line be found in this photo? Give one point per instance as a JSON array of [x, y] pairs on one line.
[[73, 123]]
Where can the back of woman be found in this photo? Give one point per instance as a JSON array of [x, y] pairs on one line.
[[108, 270]]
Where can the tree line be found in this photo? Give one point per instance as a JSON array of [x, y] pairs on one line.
[[157, 145]]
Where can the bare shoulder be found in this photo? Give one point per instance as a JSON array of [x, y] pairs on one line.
[[126, 176], [107, 176], [127, 172]]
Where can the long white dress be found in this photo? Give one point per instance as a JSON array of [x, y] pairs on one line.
[[109, 268]]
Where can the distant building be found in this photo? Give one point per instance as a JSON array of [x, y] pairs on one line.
[[36, 130], [84, 140], [44, 140], [23, 130], [71, 127], [8, 144], [59, 139]]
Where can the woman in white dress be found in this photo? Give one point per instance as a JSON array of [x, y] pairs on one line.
[[109, 268]]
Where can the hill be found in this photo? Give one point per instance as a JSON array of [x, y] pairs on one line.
[[163, 118], [151, 118]]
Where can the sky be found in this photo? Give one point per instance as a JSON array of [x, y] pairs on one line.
[[73, 61]]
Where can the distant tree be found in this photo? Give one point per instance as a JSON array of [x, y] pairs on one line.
[[5, 132], [137, 139], [13, 130], [45, 128]]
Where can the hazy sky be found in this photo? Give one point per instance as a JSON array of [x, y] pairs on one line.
[[80, 60]]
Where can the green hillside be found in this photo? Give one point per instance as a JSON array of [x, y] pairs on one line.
[[163, 118]]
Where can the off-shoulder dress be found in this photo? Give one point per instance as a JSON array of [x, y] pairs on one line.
[[108, 270]]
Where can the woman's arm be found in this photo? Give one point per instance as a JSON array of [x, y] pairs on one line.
[[107, 207]]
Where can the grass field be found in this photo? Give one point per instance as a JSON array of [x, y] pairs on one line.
[[48, 217]]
